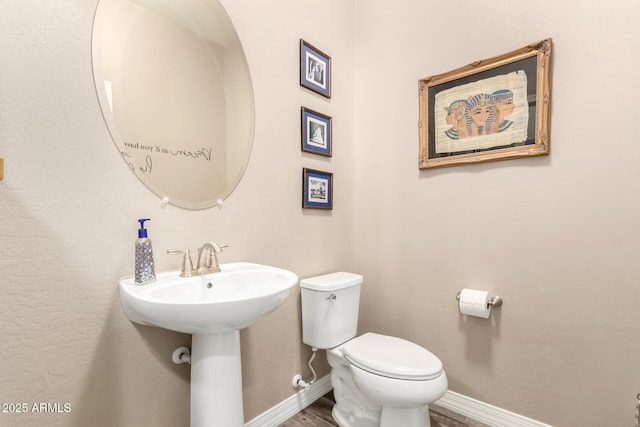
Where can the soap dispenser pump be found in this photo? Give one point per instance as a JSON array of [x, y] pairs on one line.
[[145, 271]]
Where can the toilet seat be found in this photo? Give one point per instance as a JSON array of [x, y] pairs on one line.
[[392, 357]]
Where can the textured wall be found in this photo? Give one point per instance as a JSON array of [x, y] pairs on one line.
[[68, 210], [556, 237]]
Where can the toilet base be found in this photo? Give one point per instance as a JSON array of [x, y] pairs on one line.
[[344, 421], [389, 417], [352, 409], [414, 417]]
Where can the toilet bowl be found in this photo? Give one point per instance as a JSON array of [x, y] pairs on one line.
[[378, 380], [392, 378]]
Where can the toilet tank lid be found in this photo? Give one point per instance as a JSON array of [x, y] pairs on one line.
[[331, 281]]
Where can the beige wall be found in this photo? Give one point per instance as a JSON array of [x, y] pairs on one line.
[[68, 210], [557, 237]]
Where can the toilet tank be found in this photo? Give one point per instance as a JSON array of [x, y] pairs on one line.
[[330, 305]]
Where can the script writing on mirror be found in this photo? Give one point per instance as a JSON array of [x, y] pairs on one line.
[[204, 153]]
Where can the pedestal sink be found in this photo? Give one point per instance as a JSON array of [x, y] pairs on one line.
[[213, 308]]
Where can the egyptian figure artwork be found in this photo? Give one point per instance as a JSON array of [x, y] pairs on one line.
[[493, 109]]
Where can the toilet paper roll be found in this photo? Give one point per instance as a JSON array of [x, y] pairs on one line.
[[474, 303]]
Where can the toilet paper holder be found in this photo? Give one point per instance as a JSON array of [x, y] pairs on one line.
[[494, 301]]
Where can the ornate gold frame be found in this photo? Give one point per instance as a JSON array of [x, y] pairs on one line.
[[540, 102]]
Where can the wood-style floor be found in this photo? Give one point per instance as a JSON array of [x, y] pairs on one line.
[[316, 415], [319, 415]]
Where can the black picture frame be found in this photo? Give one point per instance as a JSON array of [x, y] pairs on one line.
[[315, 69], [317, 189], [316, 133]]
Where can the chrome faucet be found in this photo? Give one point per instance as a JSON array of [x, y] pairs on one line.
[[205, 264]]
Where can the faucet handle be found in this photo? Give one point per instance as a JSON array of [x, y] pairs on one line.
[[187, 264], [213, 264]]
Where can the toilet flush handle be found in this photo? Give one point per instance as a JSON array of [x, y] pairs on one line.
[[331, 298]]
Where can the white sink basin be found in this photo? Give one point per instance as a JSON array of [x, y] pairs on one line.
[[231, 299]]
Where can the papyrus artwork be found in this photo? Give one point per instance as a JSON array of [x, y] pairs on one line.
[[481, 115]]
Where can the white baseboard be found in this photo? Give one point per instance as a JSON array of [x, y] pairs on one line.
[[292, 405], [485, 413], [455, 402]]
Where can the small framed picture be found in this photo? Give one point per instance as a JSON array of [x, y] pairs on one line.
[[315, 69], [316, 132], [317, 189]]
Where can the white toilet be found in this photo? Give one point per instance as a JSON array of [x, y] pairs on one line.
[[378, 380]]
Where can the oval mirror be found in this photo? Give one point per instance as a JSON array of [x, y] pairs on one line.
[[176, 94]]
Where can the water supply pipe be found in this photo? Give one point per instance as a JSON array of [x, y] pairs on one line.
[[298, 381], [181, 355]]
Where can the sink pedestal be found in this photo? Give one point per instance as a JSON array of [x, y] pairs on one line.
[[216, 380]]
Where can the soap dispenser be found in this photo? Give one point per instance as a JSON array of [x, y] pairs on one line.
[[145, 272]]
